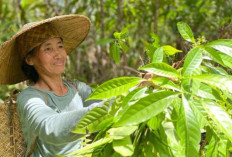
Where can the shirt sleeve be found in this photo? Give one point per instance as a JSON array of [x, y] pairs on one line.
[[47, 124], [84, 91]]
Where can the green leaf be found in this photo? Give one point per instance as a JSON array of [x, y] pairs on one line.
[[123, 146], [114, 87], [146, 108], [222, 82], [156, 39], [200, 113], [222, 45], [169, 50], [121, 132], [172, 138], [212, 149], [124, 47], [155, 122], [90, 120], [220, 117], [227, 60], [133, 96], [192, 61], [90, 148], [165, 83], [158, 55], [214, 54], [104, 41], [186, 32], [161, 69], [115, 52], [188, 129], [159, 140], [207, 92], [150, 49]]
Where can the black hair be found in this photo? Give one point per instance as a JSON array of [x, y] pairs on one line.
[[29, 70]]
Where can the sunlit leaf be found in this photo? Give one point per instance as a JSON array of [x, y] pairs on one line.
[[124, 146], [185, 31], [169, 50], [188, 129], [89, 148], [161, 69], [158, 55], [146, 108], [165, 83], [114, 87], [220, 117], [222, 82], [222, 45], [212, 149], [192, 61], [90, 121], [121, 132], [214, 54]]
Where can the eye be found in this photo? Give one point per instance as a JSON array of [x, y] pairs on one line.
[[47, 49], [61, 46]]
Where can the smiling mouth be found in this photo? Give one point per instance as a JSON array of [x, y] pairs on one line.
[[59, 63]]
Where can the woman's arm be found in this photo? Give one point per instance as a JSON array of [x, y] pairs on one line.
[[50, 126]]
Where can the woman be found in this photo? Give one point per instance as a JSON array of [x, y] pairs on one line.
[[51, 107]]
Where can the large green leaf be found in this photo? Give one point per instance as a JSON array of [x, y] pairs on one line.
[[158, 55], [188, 129], [220, 117], [114, 87], [123, 146], [133, 96], [227, 60], [200, 113], [192, 61], [146, 108], [207, 92], [185, 31], [90, 120], [223, 45], [212, 149], [159, 140], [161, 69], [214, 54], [222, 82]]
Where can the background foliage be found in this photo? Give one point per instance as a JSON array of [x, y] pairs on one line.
[[92, 62]]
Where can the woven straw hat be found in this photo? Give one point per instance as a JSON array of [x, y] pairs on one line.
[[73, 29]]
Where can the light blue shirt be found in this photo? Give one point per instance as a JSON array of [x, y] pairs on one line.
[[54, 120]]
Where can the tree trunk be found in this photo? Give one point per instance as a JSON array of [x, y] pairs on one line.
[[156, 15]]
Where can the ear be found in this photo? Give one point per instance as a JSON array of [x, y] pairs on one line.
[[29, 60]]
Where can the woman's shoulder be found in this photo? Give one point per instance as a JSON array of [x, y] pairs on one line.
[[82, 87], [78, 84], [28, 93]]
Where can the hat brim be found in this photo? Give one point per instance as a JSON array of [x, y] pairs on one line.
[[72, 28]]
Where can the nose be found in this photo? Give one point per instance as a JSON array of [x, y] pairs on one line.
[[57, 52]]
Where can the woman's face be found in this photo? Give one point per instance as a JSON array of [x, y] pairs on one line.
[[50, 58]]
